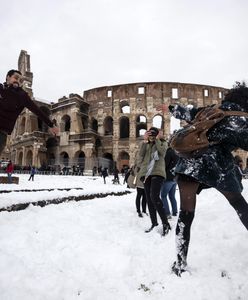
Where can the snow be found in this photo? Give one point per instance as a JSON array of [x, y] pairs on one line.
[[97, 249]]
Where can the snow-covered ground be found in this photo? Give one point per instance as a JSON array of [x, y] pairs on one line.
[[97, 249]]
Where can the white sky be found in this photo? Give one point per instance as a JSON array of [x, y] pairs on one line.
[[97, 249], [77, 45]]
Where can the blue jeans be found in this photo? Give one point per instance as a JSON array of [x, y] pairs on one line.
[[169, 188]]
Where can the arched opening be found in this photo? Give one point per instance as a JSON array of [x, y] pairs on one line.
[[158, 122], [65, 123], [20, 158], [107, 162], [124, 127], [94, 124], [108, 126], [64, 158], [80, 160], [141, 125], [125, 107], [29, 158], [123, 160]]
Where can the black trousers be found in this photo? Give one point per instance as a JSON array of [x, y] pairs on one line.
[[140, 196], [152, 187]]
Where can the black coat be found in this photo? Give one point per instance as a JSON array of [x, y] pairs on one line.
[[216, 167], [171, 159], [12, 102]]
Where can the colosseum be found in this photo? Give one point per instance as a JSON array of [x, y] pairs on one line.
[[102, 127]]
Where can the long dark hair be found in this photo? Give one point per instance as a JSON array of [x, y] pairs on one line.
[[238, 94]]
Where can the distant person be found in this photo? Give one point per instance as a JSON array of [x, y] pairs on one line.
[[140, 200], [9, 171], [13, 99], [116, 176], [32, 172], [104, 174], [94, 171]]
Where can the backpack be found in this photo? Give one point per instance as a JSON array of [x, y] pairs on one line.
[[192, 138]]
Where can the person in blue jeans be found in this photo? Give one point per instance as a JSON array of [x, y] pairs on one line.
[[169, 185]]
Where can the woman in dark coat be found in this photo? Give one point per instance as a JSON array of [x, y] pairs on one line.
[[214, 167]]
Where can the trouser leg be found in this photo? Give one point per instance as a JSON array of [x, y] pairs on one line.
[[143, 201], [156, 184], [151, 207], [238, 202], [164, 193], [172, 198], [138, 197]]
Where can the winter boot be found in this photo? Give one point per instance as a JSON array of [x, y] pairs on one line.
[[151, 228], [166, 229], [185, 220]]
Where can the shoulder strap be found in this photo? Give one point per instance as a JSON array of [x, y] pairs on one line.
[[236, 113]]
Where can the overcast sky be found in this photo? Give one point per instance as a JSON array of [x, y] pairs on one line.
[[76, 45]]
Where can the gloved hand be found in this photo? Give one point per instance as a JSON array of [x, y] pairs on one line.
[[171, 108]]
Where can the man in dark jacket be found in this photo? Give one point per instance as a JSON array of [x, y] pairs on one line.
[[214, 167], [13, 99]]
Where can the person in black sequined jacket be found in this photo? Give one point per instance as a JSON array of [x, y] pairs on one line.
[[213, 168]]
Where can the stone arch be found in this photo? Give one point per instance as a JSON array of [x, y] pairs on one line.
[[123, 159], [20, 158], [141, 125], [64, 158], [29, 158], [158, 121], [108, 126], [65, 123], [80, 159], [107, 161], [124, 107], [94, 124], [42, 126], [124, 127]]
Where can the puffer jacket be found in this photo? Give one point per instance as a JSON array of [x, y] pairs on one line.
[[215, 167], [144, 157]]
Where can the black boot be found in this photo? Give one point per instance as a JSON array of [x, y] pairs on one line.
[[166, 229], [185, 220], [140, 215], [151, 228]]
